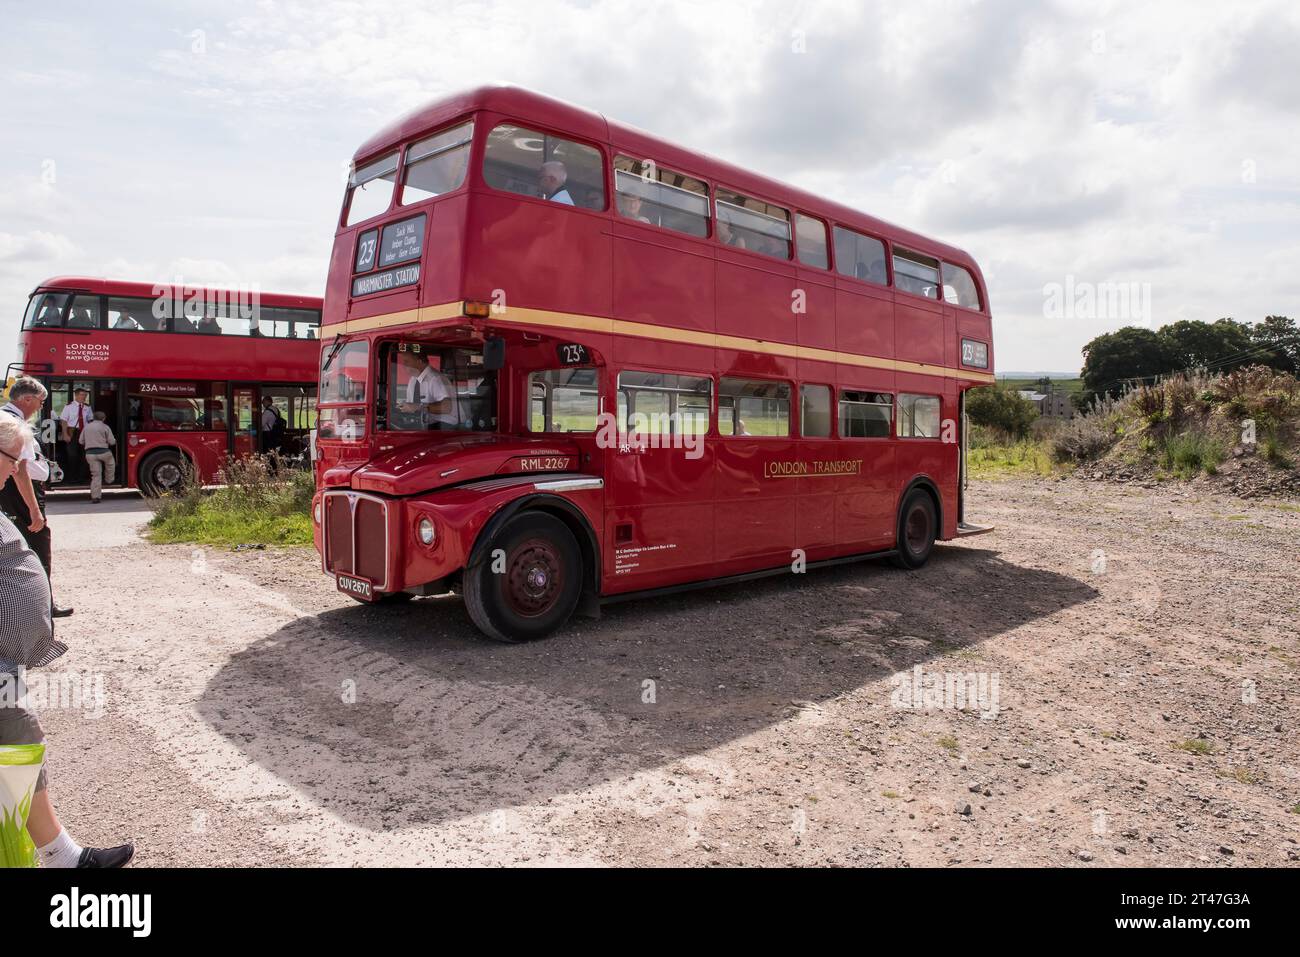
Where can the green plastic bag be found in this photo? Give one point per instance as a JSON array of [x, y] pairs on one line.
[[20, 766]]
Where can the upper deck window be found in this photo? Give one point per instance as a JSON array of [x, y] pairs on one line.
[[660, 197], [916, 273], [530, 163], [753, 224], [959, 287], [136, 315], [45, 310], [812, 241], [370, 188], [859, 256], [436, 164], [84, 313]]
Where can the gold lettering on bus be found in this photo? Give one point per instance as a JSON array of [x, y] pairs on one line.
[[815, 468]]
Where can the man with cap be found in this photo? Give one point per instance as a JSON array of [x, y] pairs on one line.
[[22, 498], [76, 415]]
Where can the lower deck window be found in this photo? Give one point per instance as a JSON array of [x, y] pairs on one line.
[[865, 415], [563, 400], [753, 407], [918, 416], [663, 403], [176, 406]]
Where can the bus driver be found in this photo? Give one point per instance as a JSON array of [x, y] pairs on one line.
[[431, 393]]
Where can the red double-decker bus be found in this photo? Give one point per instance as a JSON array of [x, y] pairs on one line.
[[179, 371], [565, 362]]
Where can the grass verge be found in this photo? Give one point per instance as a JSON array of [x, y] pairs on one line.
[[261, 504]]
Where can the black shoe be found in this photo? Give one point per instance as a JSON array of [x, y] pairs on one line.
[[119, 856], [58, 612]]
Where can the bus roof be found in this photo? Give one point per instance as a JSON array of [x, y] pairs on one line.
[[558, 115], [99, 286]]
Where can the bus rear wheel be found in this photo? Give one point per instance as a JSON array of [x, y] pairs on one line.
[[162, 472], [529, 580], [917, 528]]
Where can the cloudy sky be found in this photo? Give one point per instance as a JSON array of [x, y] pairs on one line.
[[1097, 145]]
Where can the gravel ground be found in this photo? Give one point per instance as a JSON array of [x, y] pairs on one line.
[[1143, 643]]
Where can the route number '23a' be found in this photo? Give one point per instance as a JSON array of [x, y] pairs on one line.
[[573, 354]]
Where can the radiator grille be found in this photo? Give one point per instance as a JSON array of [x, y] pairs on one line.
[[356, 537]]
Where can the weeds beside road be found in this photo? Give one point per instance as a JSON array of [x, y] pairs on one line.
[[261, 503]]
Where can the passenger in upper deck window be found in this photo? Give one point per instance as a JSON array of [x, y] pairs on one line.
[[551, 178], [727, 237], [629, 205], [209, 326]]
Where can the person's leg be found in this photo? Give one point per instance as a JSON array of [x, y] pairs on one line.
[[42, 823], [96, 464]]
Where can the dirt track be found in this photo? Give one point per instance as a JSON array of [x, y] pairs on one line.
[[1119, 622]]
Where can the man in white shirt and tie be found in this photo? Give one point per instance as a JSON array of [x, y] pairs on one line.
[[76, 415], [432, 395]]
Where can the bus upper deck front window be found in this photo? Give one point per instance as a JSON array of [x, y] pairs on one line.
[[370, 188], [45, 310], [434, 388], [436, 164]]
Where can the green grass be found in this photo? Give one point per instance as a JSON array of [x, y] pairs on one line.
[[948, 741], [255, 509], [216, 526], [1000, 461], [1060, 385], [1190, 453]]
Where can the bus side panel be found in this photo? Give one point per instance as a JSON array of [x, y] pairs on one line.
[[659, 518], [918, 330], [757, 507], [864, 319], [815, 326], [207, 450], [661, 278], [755, 295]]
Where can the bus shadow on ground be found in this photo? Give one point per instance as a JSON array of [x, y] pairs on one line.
[[401, 716]]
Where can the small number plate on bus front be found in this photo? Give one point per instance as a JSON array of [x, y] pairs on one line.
[[356, 587]]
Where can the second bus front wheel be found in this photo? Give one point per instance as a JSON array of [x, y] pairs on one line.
[[162, 472], [528, 581], [917, 528]]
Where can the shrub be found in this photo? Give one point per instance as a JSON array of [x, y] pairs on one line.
[[1004, 410], [1192, 452], [1083, 439]]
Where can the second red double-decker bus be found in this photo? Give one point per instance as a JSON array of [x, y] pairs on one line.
[[179, 371], [565, 362]]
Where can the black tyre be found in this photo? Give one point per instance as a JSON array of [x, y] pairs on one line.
[[918, 524], [162, 472], [529, 580]]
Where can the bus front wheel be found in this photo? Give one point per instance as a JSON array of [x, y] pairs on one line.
[[162, 472], [917, 528], [528, 581]]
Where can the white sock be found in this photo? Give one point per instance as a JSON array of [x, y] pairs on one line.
[[63, 851]]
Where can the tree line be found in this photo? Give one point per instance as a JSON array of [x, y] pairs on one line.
[[1128, 357]]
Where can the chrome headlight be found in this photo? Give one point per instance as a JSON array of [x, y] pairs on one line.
[[426, 531]]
